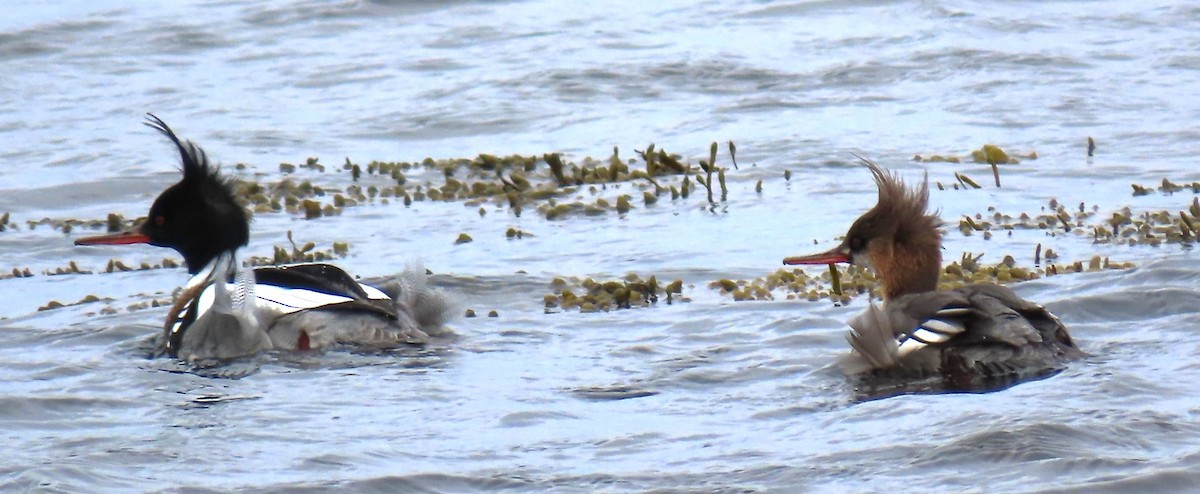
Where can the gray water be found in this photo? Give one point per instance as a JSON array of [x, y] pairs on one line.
[[707, 395]]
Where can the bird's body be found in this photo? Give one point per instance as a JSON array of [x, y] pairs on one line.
[[227, 311], [977, 332]]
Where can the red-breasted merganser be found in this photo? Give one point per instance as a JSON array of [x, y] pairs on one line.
[[980, 331], [228, 311]]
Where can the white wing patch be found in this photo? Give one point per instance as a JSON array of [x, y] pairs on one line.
[[272, 301], [289, 300], [953, 312], [374, 293], [908, 346], [933, 331], [940, 330]]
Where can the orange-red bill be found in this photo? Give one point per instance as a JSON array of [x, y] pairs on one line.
[[123, 238], [827, 257]]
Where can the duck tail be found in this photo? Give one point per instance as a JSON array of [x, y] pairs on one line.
[[430, 307], [873, 342]]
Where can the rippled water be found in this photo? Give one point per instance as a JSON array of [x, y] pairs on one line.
[[708, 395]]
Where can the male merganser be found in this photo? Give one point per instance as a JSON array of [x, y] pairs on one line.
[[977, 332], [228, 311]]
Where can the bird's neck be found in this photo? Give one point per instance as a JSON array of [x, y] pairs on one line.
[[911, 269], [221, 267]]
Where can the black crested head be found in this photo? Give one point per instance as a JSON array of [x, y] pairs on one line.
[[198, 217]]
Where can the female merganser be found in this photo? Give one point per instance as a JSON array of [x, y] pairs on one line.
[[977, 332], [228, 311]]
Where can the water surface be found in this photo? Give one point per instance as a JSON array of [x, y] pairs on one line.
[[708, 395]]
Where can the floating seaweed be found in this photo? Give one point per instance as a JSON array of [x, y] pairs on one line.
[[516, 233], [966, 181], [71, 268], [709, 167], [937, 158], [594, 296], [87, 299], [843, 283], [1122, 227], [515, 181], [113, 223], [300, 253], [1167, 187], [987, 154], [16, 273]]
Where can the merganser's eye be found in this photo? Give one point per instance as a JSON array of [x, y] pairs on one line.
[[857, 243], [159, 220]]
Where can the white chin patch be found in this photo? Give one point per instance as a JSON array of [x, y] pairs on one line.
[[862, 260]]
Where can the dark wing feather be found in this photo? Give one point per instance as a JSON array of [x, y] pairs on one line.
[[910, 312], [328, 279], [1003, 319], [974, 314]]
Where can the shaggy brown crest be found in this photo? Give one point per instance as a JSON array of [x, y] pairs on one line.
[[899, 236]]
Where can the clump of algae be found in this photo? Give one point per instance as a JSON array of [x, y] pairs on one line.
[[87, 299], [300, 253], [986, 154], [517, 181], [1122, 227], [796, 283], [516, 233], [16, 273], [114, 223], [313, 190], [5, 224], [854, 281], [1167, 187], [589, 295]]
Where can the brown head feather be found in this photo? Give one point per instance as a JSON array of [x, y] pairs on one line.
[[899, 237]]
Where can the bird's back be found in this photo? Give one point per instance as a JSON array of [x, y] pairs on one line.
[[965, 336]]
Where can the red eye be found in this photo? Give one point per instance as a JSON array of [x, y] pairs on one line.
[[159, 220]]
